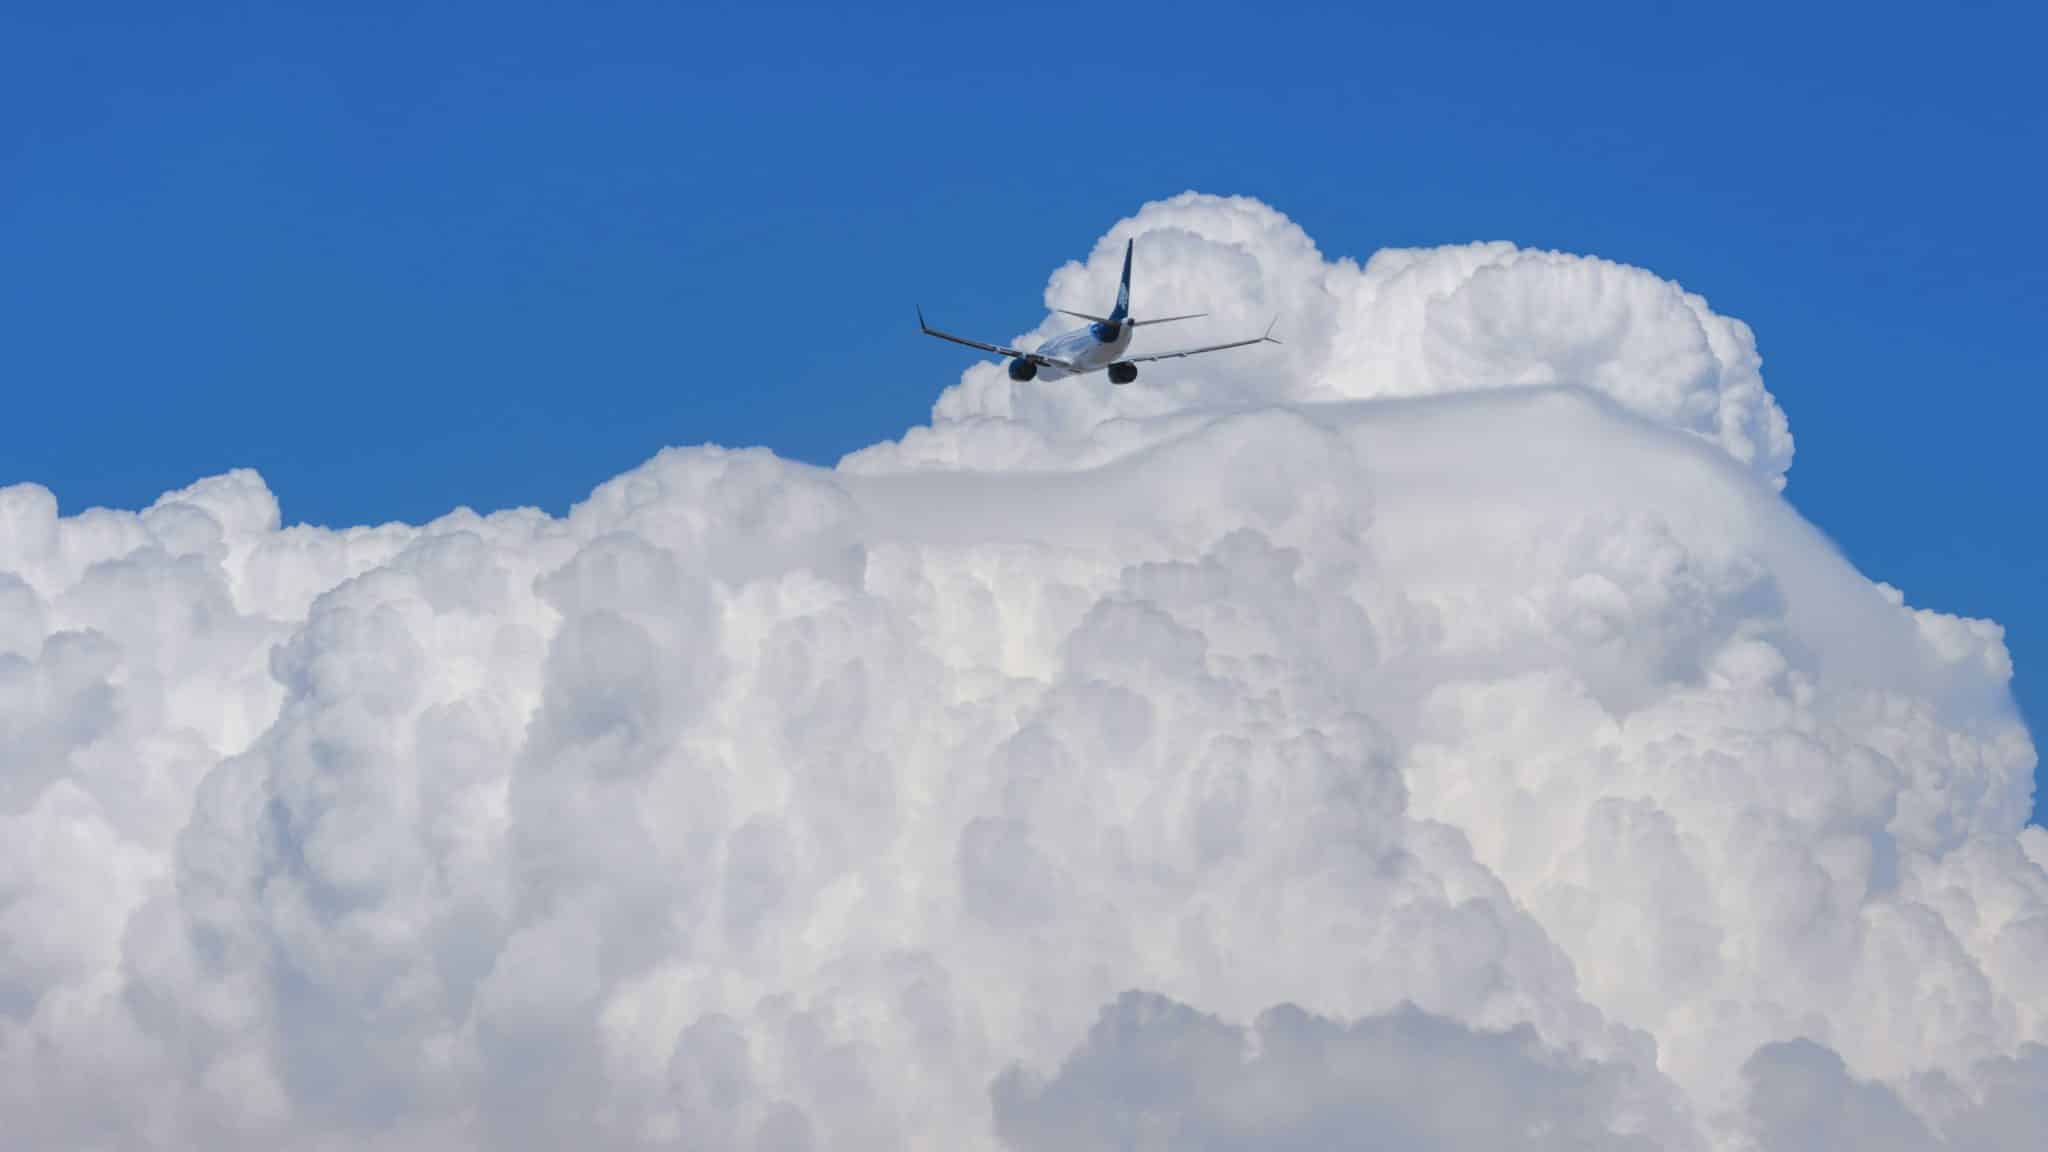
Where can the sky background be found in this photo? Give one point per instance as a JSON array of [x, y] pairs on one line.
[[405, 258]]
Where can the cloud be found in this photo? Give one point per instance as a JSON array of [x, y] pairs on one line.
[[1416, 322], [1801, 1095], [1156, 1074], [1447, 695]]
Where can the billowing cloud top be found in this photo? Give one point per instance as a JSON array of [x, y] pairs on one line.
[[1434, 733], [1409, 323]]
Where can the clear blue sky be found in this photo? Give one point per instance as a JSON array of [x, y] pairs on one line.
[[400, 259]]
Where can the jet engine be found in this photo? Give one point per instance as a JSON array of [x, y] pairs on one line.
[[1023, 369], [1122, 373]]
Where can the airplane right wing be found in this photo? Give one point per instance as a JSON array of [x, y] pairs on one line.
[[1179, 352], [998, 349]]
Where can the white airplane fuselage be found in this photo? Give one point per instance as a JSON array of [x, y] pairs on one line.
[[1085, 348], [1103, 344]]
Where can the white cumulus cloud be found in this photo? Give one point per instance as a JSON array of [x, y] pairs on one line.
[[1435, 732]]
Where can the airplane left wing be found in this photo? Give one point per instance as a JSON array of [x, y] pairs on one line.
[[1178, 353], [998, 349]]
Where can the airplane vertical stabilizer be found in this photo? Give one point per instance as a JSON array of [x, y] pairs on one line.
[[1123, 289]]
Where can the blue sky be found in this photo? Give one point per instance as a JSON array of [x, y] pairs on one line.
[[400, 259]]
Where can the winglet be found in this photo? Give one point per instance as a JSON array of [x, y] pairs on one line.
[[921, 325], [1268, 337]]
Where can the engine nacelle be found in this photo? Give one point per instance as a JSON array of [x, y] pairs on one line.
[[1122, 373], [1021, 369]]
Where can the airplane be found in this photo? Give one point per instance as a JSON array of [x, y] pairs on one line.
[[1099, 346]]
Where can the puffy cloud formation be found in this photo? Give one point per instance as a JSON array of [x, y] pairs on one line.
[[1434, 733], [1158, 1074], [1409, 323]]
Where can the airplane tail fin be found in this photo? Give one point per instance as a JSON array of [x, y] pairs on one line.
[[1122, 310], [1120, 316]]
